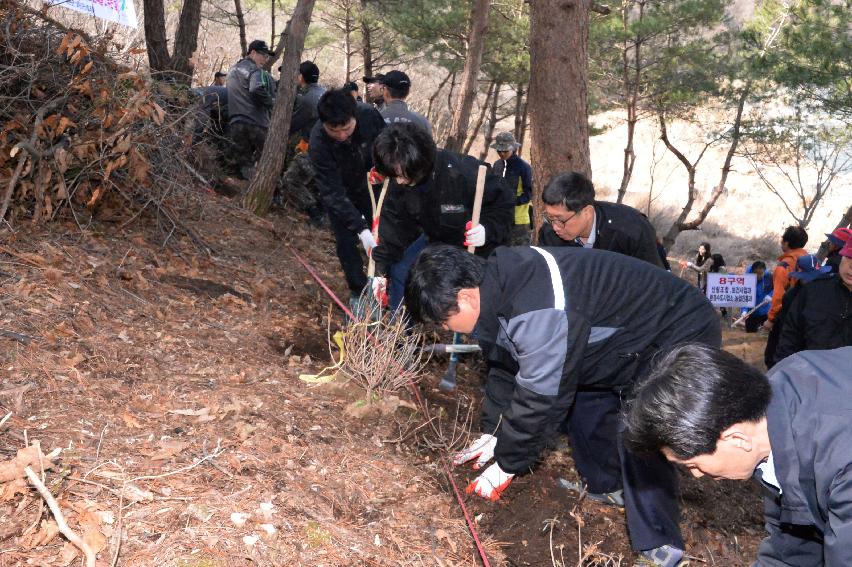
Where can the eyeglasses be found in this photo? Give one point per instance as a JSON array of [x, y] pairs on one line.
[[559, 223]]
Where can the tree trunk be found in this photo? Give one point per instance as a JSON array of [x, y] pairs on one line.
[[473, 60], [155, 37], [482, 111], [559, 37], [272, 24], [271, 164], [680, 224], [241, 24], [348, 26], [366, 45], [519, 110], [492, 123], [186, 41], [435, 95], [631, 77], [524, 122]]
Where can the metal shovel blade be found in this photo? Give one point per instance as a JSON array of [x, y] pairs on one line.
[[448, 382]]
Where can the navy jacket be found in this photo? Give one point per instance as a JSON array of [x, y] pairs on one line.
[[618, 228], [809, 418], [573, 317], [341, 168], [819, 318], [440, 207]]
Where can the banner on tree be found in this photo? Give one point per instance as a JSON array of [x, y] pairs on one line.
[[731, 290], [119, 11]]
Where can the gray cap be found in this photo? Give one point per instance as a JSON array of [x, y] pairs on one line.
[[505, 142]]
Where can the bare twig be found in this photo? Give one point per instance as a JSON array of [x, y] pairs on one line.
[[60, 518]]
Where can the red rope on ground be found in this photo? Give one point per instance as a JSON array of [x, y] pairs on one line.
[[422, 405]]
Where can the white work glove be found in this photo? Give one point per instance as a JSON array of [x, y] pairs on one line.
[[491, 483], [379, 288], [474, 235], [367, 240], [482, 450]]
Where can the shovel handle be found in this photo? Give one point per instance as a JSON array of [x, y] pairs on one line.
[[477, 200]]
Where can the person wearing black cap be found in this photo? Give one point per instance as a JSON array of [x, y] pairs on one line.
[[352, 88], [375, 90], [397, 85], [219, 79], [251, 96], [309, 93]]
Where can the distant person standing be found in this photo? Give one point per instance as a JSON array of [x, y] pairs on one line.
[[518, 176], [250, 99], [705, 262], [352, 88], [397, 86], [375, 90], [792, 248], [219, 79], [763, 288], [837, 239], [820, 316]]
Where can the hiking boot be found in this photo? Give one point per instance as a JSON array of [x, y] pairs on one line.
[[615, 498], [663, 556]]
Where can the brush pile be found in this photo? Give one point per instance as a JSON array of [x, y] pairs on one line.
[[80, 133]]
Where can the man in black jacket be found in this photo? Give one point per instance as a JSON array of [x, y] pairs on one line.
[[574, 218], [432, 193], [571, 318], [716, 415], [341, 149], [820, 316]]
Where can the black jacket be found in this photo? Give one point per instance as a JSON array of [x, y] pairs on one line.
[[820, 318], [440, 207], [618, 228], [341, 168], [305, 111], [572, 317], [810, 521]]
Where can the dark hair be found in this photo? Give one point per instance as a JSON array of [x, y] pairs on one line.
[[758, 265], [691, 395], [699, 258], [405, 149], [795, 236], [572, 189], [336, 107], [398, 92], [441, 271], [309, 71], [350, 86]]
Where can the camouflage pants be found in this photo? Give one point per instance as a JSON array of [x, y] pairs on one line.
[[297, 183]]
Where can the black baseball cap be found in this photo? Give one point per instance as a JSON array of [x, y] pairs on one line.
[[260, 46], [309, 71], [220, 74], [396, 80], [378, 78]]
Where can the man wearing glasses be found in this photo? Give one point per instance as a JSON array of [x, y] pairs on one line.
[[574, 218]]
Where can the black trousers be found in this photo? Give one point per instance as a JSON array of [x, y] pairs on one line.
[[348, 248]]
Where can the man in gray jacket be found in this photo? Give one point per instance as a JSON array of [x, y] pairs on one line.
[[717, 416], [251, 96], [397, 85]]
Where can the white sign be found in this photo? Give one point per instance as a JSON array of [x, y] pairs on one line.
[[120, 11], [731, 290]]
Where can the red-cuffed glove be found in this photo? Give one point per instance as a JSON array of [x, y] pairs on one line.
[[379, 287], [474, 235], [375, 178], [491, 483]]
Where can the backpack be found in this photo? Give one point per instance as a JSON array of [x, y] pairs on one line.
[[718, 263]]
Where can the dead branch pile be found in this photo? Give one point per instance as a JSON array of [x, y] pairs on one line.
[[79, 132], [381, 355]]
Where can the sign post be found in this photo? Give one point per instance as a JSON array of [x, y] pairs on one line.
[[731, 290]]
